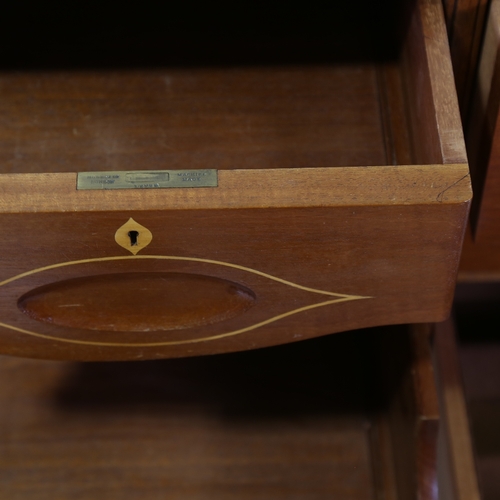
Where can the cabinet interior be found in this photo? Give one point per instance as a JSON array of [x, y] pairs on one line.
[[217, 88], [304, 420]]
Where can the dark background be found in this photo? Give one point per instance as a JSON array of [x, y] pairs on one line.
[[90, 35]]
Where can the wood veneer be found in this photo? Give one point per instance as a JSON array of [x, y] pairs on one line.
[[341, 203], [482, 133], [310, 420], [481, 256], [456, 468], [465, 20]]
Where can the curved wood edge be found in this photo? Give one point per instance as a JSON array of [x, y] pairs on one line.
[[456, 467], [442, 82], [271, 188]]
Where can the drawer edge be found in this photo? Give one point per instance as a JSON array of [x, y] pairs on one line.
[[256, 188]]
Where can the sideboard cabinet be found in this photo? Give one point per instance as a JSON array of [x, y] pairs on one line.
[[208, 205]]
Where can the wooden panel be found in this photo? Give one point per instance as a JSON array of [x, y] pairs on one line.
[[477, 326], [482, 131], [197, 118], [466, 19], [259, 188], [137, 302], [313, 271], [277, 423], [456, 470], [412, 415], [449, 10], [480, 260], [297, 421], [434, 115]]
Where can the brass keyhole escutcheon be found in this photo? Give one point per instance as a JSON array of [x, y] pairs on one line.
[[133, 236]]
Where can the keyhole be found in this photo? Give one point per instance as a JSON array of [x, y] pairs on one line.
[[133, 238]]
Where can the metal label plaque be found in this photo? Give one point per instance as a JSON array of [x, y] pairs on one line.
[[147, 179]]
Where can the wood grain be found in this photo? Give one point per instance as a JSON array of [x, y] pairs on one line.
[[400, 270], [394, 116], [137, 302], [224, 118], [466, 29], [456, 469], [411, 410], [276, 423], [449, 11], [434, 115], [481, 255], [481, 127], [299, 421], [341, 202], [427, 184], [428, 414], [480, 260]]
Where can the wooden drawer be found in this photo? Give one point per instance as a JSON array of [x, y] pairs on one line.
[[351, 416], [340, 203]]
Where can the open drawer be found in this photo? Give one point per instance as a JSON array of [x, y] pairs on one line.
[[320, 198], [350, 416]]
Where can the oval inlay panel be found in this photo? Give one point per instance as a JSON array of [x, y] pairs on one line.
[[137, 302]]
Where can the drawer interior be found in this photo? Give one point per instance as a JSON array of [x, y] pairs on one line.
[[227, 118], [310, 420], [224, 90]]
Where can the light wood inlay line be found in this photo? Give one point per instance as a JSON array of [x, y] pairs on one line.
[[338, 299], [174, 257]]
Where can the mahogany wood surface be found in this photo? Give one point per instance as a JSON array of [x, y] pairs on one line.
[[476, 320], [482, 133], [435, 125], [239, 189], [465, 22], [481, 253], [312, 271], [412, 411], [449, 9], [277, 423], [456, 469], [230, 118], [342, 196], [293, 421], [110, 302], [480, 260]]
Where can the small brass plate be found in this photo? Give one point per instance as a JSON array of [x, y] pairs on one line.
[[147, 179]]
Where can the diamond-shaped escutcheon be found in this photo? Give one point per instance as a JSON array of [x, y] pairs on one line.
[[133, 236]]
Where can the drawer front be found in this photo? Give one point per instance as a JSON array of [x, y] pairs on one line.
[[132, 285]]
